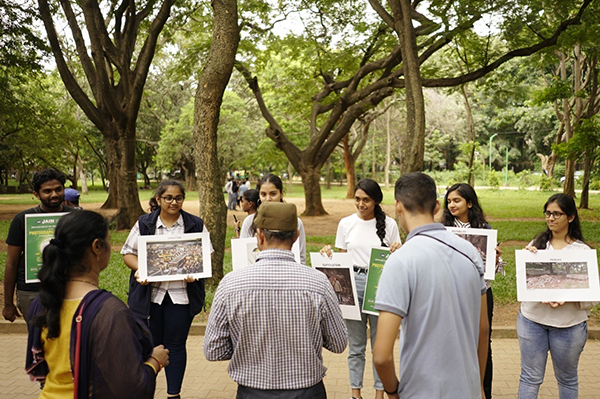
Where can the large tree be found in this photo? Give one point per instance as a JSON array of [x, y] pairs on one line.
[[114, 43], [209, 96], [391, 55]]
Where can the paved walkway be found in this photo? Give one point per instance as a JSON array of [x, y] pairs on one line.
[[210, 380]]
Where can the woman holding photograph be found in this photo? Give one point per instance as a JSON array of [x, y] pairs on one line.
[[462, 209], [168, 307], [558, 327], [357, 234], [270, 189]]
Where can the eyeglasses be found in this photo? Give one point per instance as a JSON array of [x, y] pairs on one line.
[[168, 199], [556, 215]]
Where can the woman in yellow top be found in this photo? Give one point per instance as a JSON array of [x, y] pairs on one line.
[[75, 326]]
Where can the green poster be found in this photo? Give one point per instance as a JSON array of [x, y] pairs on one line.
[[378, 258], [39, 230]]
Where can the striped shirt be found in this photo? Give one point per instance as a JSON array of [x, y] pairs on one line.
[[177, 289], [272, 320]]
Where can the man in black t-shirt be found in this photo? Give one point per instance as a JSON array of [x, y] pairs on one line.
[[48, 186]]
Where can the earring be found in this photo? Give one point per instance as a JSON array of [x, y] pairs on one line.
[[98, 258]]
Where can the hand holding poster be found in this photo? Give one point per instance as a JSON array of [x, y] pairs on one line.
[[39, 230], [557, 276], [340, 274], [378, 258]]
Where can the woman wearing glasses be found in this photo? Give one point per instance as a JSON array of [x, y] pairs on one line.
[[558, 327], [168, 307]]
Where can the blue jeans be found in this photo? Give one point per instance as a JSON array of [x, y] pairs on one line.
[[170, 326], [357, 340], [565, 346]]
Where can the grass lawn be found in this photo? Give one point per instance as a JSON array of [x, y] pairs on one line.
[[516, 214]]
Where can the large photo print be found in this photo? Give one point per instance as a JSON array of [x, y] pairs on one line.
[[557, 276], [485, 242], [173, 257], [340, 273]]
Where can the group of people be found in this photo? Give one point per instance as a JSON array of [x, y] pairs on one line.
[[235, 189], [272, 320]]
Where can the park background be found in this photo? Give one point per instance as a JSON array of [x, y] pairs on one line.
[[515, 213]]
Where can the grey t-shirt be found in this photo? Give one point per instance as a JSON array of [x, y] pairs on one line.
[[437, 292]]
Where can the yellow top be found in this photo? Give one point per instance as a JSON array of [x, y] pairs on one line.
[[59, 381]]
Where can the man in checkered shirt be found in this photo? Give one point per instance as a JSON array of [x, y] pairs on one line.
[[273, 318]]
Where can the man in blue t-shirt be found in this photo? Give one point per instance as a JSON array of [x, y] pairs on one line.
[[433, 286]]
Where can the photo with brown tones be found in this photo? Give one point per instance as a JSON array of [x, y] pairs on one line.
[[479, 242], [341, 282], [557, 275]]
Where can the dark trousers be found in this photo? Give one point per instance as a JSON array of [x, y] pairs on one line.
[[170, 326], [487, 378], [315, 392]]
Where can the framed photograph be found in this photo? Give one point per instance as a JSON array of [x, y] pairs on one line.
[[245, 250], [39, 230], [485, 242], [173, 257], [379, 256], [570, 276], [340, 273]]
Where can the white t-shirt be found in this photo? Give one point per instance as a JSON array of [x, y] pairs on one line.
[[245, 233], [358, 236]]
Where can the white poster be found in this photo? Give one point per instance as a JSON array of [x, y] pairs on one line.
[[485, 242], [557, 276], [340, 273]]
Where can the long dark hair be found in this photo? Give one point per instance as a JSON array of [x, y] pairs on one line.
[[252, 196], [160, 190], [372, 189], [567, 205], [476, 216], [74, 234]]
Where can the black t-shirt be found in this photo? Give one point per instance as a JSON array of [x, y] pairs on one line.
[[16, 237]]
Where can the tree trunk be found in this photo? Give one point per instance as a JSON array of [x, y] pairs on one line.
[[350, 169], [585, 192], [412, 148], [113, 158], [470, 135], [388, 149], [129, 208], [190, 175], [290, 170], [373, 166], [311, 180], [209, 96], [82, 176]]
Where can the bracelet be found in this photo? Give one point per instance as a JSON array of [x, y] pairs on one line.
[[160, 366], [395, 392], [152, 366]]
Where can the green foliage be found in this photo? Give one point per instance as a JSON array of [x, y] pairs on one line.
[[546, 183], [557, 89], [493, 179]]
